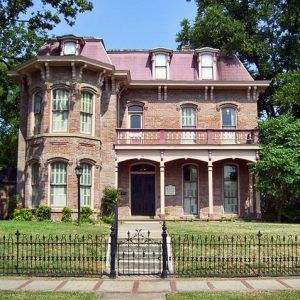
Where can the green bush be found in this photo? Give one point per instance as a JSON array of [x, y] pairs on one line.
[[66, 214], [86, 213], [15, 201], [43, 213], [22, 214], [107, 219], [291, 213], [110, 198]]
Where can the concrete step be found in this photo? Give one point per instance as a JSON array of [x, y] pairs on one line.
[[139, 247], [140, 271], [142, 255]]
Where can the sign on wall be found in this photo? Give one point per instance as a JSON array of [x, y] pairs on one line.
[[170, 190]]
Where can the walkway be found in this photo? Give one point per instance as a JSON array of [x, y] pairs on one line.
[[146, 288]]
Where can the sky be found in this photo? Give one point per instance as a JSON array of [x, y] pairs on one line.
[[132, 24]]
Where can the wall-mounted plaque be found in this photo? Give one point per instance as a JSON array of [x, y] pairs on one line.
[[170, 190]]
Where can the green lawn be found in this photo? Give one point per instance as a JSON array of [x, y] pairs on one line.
[[231, 228], [9, 295], [53, 228], [286, 295]]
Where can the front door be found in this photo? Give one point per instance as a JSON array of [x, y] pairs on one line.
[[143, 194]]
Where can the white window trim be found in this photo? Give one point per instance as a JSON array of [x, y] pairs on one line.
[[196, 114], [51, 110], [31, 113], [69, 41], [154, 65], [236, 114], [93, 113], [214, 66]]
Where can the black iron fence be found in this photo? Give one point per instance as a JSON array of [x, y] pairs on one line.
[[71, 255], [229, 256]]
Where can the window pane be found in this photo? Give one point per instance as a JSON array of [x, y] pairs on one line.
[[86, 177], [69, 48], [228, 117], [60, 121], [230, 189], [58, 195], [188, 117], [135, 121], [85, 123], [161, 73], [160, 60], [85, 195], [207, 73], [58, 180], [207, 60], [86, 102], [35, 180], [37, 102], [190, 198], [60, 100], [135, 108]]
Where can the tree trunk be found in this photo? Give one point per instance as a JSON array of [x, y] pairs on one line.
[[282, 201]]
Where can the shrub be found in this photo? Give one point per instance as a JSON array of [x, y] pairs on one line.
[[86, 213], [107, 219], [43, 213], [22, 214], [66, 214], [110, 198], [15, 201]]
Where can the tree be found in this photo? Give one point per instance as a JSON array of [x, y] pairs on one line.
[[23, 29], [263, 34], [278, 169]]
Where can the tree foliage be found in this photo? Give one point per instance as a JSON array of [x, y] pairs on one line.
[[263, 34], [23, 29], [278, 169]]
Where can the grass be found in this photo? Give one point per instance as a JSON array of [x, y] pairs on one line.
[[22, 295], [54, 228], [232, 228], [286, 295]]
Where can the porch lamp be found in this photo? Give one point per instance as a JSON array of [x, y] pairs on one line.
[[78, 172]]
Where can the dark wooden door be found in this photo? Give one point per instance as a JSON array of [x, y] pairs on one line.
[[143, 194]]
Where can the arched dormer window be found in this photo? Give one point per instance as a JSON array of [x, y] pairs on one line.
[[207, 66], [160, 63], [60, 110]]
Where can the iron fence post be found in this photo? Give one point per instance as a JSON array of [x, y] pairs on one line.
[[164, 273], [113, 251], [259, 234], [18, 250]]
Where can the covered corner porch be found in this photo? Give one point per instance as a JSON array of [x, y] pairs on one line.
[[191, 185]]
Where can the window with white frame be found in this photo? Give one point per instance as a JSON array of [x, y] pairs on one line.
[[188, 117], [69, 48], [58, 184], [37, 112], [135, 114], [190, 193], [228, 117], [86, 184], [161, 62], [86, 112], [230, 189], [60, 110], [206, 66], [35, 183]]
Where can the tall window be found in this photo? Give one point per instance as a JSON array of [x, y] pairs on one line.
[[135, 113], [58, 184], [188, 120], [35, 182], [190, 183], [37, 105], [161, 66], [86, 185], [229, 122], [230, 189], [206, 66], [86, 112], [60, 110]]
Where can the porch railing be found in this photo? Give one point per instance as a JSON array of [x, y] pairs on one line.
[[186, 136]]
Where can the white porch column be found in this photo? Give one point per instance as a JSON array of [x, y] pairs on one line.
[[257, 199], [210, 189], [162, 187]]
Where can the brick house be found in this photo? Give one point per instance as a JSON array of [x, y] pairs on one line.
[[174, 130]]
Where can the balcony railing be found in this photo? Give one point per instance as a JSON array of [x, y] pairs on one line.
[[186, 136]]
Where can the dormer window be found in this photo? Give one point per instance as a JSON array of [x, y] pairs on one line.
[[69, 48], [161, 61], [207, 66]]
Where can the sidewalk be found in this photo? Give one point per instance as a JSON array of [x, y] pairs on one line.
[[146, 288]]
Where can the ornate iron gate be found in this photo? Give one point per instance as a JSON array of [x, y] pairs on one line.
[[139, 254]]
